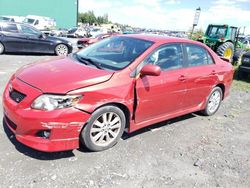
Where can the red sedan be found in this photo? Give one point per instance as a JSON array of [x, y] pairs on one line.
[[122, 83], [84, 42]]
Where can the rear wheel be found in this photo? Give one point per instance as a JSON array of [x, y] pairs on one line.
[[62, 50], [213, 102], [104, 128], [1, 48], [226, 50]]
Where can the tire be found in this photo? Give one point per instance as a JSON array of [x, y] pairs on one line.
[[226, 50], [213, 102], [61, 50], [237, 56], [98, 135], [1, 48]]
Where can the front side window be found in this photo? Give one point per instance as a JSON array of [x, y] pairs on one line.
[[29, 30], [197, 56], [12, 28], [115, 53], [167, 57]]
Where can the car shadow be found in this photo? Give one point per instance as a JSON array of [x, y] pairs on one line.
[[29, 54], [34, 153], [169, 122]]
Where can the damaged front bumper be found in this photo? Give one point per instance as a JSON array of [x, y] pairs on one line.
[[48, 131]]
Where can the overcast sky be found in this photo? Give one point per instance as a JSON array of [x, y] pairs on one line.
[[171, 14]]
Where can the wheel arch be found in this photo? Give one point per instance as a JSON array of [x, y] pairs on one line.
[[222, 86]]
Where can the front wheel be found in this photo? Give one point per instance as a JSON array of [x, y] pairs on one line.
[[213, 102], [61, 50], [104, 128]]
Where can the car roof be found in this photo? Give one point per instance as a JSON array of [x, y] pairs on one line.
[[20, 23], [160, 38]]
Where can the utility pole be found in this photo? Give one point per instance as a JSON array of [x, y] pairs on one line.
[[77, 11], [196, 19]]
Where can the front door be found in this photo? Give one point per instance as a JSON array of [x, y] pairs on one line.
[[34, 41], [162, 95]]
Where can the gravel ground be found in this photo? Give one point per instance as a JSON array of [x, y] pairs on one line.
[[189, 151]]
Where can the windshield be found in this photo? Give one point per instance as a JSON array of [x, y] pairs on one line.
[[115, 53], [217, 31]]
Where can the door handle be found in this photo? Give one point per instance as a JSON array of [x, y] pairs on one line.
[[213, 72], [182, 78]]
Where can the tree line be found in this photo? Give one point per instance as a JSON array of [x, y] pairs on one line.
[[91, 18]]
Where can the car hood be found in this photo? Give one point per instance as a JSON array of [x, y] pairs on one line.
[[61, 75]]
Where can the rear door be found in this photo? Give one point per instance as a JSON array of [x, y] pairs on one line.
[[201, 75], [162, 95], [12, 38]]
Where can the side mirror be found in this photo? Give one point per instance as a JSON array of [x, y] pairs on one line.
[[41, 36], [150, 70]]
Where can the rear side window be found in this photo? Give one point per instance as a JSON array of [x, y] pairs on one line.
[[10, 28], [197, 56]]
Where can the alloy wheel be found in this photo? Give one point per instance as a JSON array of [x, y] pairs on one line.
[[105, 129], [62, 50], [214, 101]]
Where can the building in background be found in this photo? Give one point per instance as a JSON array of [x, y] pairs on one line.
[[63, 11]]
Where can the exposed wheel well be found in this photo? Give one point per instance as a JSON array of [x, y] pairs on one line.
[[222, 88]]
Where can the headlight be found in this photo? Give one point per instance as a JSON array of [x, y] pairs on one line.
[[51, 102]]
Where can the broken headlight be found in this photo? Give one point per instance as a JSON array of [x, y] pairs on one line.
[[49, 102]]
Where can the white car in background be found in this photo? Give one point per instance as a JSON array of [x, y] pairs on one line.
[[76, 32], [40, 22], [97, 31]]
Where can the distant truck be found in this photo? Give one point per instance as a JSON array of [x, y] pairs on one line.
[[12, 18], [40, 22]]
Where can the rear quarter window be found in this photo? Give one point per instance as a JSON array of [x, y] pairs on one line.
[[12, 28]]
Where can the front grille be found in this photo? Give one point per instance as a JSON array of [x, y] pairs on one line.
[[17, 96], [10, 123]]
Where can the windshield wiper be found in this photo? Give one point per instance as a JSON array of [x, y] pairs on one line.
[[90, 61], [77, 57]]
